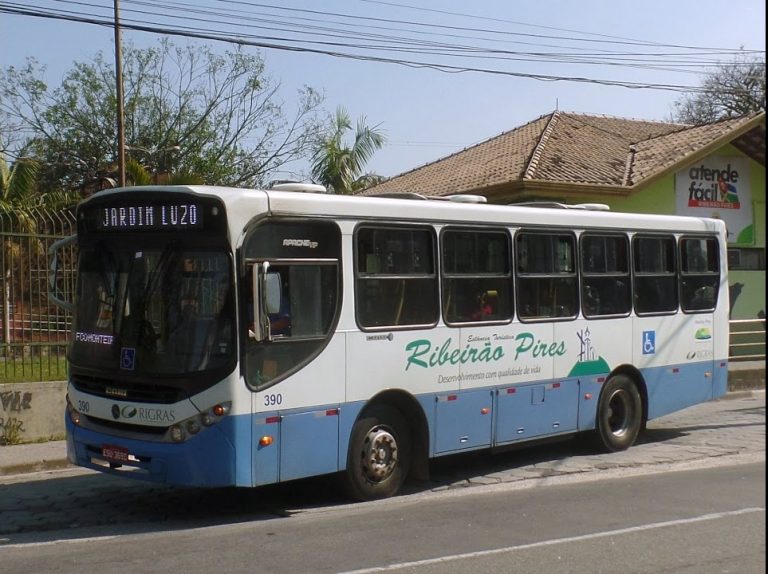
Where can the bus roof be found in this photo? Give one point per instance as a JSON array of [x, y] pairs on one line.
[[244, 204]]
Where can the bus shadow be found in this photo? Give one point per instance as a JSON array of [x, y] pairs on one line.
[[88, 505]]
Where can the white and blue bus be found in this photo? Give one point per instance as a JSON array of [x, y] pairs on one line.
[[231, 337]]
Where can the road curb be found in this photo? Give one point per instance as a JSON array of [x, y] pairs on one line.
[[745, 394], [39, 466]]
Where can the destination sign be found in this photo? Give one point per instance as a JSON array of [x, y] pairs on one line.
[[149, 217]]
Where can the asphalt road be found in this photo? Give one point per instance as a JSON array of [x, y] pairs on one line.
[[688, 498], [703, 521]]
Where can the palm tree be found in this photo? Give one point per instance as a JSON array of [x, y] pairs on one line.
[[18, 183], [138, 174], [339, 167], [18, 193]]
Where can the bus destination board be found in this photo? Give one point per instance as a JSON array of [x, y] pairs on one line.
[[155, 217]]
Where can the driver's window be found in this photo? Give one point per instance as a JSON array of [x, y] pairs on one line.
[[298, 275]]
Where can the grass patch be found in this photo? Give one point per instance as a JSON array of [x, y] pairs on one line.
[[33, 369]]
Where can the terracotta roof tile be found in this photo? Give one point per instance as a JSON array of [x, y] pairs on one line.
[[492, 162], [565, 148], [656, 154]]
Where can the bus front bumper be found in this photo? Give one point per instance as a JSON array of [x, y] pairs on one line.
[[207, 459]]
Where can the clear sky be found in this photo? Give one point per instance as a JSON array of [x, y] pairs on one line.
[[427, 114]]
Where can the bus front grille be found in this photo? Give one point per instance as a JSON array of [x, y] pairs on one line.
[[128, 391]]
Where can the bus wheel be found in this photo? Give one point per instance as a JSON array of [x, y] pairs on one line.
[[379, 454], [619, 414]]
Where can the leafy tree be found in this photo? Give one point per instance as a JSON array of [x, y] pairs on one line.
[[223, 111], [338, 165], [733, 89]]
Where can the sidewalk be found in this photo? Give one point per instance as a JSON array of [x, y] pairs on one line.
[[744, 379]]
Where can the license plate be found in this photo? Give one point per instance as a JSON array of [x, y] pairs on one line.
[[114, 453]]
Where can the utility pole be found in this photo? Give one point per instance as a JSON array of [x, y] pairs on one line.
[[119, 92]]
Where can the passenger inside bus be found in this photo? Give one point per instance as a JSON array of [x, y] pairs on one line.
[[486, 303]]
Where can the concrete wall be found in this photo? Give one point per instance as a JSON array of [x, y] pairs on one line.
[[32, 412]]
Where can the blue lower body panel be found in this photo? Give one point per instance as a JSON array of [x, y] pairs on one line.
[[207, 459], [675, 387]]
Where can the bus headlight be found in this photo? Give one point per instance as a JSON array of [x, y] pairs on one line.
[[74, 415], [193, 427], [177, 433]]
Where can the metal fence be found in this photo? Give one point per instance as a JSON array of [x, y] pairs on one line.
[[747, 341], [34, 331]]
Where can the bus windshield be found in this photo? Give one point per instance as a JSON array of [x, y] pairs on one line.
[[154, 311]]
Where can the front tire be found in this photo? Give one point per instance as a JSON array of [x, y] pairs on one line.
[[619, 414], [379, 454]]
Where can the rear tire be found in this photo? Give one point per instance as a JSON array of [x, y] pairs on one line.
[[619, 414], [379, 454]]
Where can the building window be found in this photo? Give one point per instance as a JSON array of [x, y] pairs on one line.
[[746, 259]]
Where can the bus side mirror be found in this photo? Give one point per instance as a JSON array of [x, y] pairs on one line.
[[273, 292], [267, 299], [56, 293]]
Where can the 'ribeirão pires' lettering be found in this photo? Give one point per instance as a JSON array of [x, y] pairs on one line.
[[423, 354]]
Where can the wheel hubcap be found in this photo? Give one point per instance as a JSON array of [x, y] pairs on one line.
[[618, 414], [379, 454]]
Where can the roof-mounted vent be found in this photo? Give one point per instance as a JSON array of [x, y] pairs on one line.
[[397, 195], [556, 205], [592, 206], [466, 198], [301, 187]]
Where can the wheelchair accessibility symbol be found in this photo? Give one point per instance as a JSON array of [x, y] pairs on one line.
[[127, 358], [649, 342]]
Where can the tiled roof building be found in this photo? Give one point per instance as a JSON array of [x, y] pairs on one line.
[[562, 155]]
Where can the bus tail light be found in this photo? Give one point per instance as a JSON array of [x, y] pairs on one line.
[[220, 410]]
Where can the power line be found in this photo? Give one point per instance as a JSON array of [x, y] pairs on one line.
[[332, 48]]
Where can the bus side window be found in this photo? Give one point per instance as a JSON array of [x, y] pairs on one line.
[[476, 275], [605, 274], [655, 281], [395, 276], [546, 275], [699, 274]]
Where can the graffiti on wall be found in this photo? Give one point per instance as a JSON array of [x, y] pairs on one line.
[[13, 403]]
